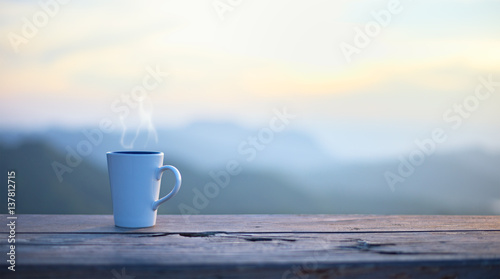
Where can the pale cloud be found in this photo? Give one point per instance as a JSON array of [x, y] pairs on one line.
[[266, 52]]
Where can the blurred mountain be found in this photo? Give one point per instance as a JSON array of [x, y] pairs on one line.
[[38, 189], [205, 145], [466, 182], [86, 189], [291, 174]]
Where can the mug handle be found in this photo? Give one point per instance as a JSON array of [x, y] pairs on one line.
[[178, 178]]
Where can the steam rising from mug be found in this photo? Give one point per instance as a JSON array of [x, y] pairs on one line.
[[138, 124]]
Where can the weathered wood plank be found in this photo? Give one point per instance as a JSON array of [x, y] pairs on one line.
[[247, 248], [258, 223], [257, 246], [267, 255]]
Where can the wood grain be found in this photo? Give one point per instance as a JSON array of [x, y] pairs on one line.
[[257, 246], [259, 223]]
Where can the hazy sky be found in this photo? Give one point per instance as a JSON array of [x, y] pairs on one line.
[[238, 62]]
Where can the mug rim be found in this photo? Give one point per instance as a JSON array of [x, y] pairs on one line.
[[134, 153]]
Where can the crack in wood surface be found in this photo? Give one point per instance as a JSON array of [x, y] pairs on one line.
[[244, 236], [202, 234], [373, 247]]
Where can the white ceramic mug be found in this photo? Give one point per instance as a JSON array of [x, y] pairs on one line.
[[135, 177]]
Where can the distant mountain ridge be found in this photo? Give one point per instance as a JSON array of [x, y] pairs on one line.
[[292, 174]]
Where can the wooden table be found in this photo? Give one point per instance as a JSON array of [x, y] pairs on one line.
[[255, 246]]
